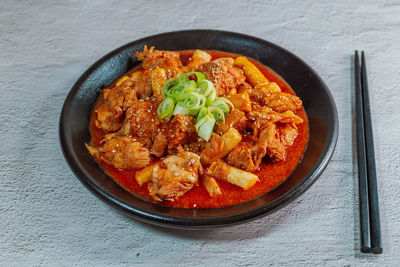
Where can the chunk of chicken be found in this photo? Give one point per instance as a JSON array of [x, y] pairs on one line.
[[142, 123], [241, 157], [168, 60], [141, 120], [278, 101], [244, 88], [158, 78], [181, 131], [142, 83], [223, 74], [116, 100], [236, 119], [248, 156], [212, 150], [160, 145], [288, 133], [273, 116], [174, 176], [197, 146], [122, 152], [108, 118], [268, 140]]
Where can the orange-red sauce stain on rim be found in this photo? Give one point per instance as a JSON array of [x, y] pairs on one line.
[[271, 174]]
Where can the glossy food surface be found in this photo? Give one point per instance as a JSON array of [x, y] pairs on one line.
[[271, 174]]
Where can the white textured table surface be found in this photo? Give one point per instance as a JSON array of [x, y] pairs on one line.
[[48, 218]]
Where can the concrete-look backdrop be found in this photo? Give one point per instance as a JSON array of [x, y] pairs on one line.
[[47, 217]]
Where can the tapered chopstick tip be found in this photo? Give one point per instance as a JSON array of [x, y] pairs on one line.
[[366, 250], [377, 250]]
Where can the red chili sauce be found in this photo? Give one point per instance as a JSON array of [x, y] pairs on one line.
[[271, 174]]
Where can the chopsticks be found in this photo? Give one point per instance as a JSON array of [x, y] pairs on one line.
[[371, 240]]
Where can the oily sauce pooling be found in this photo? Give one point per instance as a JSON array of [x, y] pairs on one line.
[[274, 168]]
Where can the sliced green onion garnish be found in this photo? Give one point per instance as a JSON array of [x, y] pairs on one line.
[[194, 96], [205, 87], [211, 97], [195, 101], [166, 108], [203, 111], [189, 85], [218, 113], [203, 120], [206, 129], [175, 91], [227, 101], [182, 110], [199, 76], [180, 91], [221, 104], [167, 86]]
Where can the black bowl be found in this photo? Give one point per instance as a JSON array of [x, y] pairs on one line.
[[318, 103]]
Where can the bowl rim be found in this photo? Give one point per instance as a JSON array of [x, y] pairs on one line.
[[196, 222]]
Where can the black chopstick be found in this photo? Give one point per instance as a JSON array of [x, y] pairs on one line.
[[362, 162], [368, 192], [375, 225]]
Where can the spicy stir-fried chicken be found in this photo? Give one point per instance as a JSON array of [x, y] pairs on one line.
[[262, 120], [122, 152], [175, 175]]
